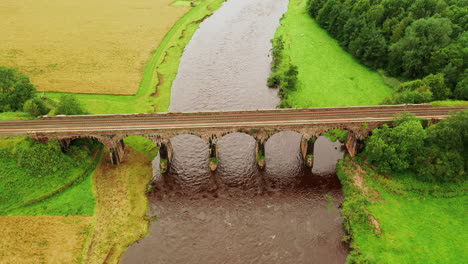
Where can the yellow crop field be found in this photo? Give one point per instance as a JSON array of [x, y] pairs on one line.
[[85, 46], [43, 239]]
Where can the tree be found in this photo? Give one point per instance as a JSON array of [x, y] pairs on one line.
[[394, 149], [35, 107], [422, 37], [437, 85], [69, 105], [446, 152], [15, 89], [461, 91]]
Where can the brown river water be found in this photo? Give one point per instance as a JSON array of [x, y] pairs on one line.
[[286, 213]]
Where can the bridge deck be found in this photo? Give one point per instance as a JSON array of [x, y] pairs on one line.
[[241, 119]]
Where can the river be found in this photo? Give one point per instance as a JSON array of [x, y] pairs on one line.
[[240, 214]]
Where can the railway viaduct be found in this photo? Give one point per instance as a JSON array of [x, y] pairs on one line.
[[110, 130]]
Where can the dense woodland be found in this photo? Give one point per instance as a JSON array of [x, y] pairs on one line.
[[422, 41]]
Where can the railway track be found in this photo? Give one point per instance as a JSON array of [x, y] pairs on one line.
[[219, 119]]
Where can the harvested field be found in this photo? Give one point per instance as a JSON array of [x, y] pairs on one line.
[[87, 46], [43, 239]]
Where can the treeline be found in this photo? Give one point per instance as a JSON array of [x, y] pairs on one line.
[[421, 40], [17, 93], [437, 153]]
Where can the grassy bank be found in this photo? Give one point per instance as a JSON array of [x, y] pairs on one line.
[[32, 172], [14, 116], [402, 220], [327, 74], [121, 207], [154, 92]]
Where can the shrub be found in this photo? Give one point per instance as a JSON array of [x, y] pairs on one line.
[[273, 81], [35, 107], [69, 105]]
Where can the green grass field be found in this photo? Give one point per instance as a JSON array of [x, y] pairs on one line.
[[142, 145], [14, 116], [420, 222], [159, 72], [75, 200], [61, 187], [328, 75]]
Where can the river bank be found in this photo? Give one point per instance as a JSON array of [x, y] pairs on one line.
[[398, 219], [327, 75]]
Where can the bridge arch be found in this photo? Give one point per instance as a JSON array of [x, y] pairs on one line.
[[189, 166], [283, 156], [236, 153]]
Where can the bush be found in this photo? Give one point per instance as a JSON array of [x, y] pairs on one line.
[[273, 81], [290, 78], [35, 107], [69, 105]]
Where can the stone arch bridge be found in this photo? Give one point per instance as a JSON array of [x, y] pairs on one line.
[[110, 130]]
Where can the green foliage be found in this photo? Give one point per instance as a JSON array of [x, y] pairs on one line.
[[438, 153], [143, 145], [409, 39], [337, 134], [15, 116], [273, 81], [276, 52], [260, 156], [355, 215], [432, 87], [446, 151], [327, 75], [36, 107], [214, 160], [394, 149], [437, 86], [31, 172], [420, 223], [15, 90], [461, 91], [283, 78], [40, 160], [77, 199], [449, 103], [69, 105]]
